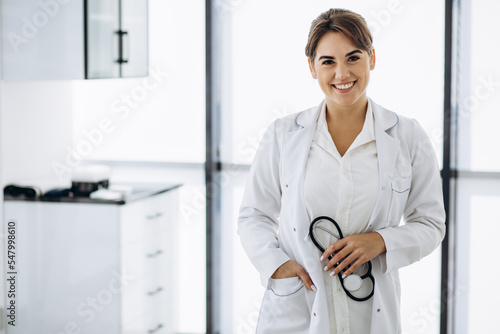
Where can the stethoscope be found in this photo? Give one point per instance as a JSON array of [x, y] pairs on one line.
[[355, 285]]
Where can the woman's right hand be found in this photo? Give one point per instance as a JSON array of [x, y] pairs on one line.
[[292, 269]]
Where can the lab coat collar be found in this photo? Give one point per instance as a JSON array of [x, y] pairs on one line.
[[384, 119], [309, 117]]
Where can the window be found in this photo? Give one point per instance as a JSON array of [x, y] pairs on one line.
[[478, 166]]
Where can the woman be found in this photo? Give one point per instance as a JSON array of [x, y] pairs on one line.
[[356, 163]]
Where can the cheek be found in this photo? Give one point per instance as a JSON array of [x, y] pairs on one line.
[[364, 73]]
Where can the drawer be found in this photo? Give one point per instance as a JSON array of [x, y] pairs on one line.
[[149, 293], [149, 323], [144, 256], [143, 219]]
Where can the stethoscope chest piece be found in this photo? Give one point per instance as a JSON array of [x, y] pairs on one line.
[[353, 282]]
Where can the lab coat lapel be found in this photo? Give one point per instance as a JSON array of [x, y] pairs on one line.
[[295, 152], [387, 151]]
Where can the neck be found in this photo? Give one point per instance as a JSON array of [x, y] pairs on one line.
[[354, 113]]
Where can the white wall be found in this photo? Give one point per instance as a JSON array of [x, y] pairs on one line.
[[36, 128]]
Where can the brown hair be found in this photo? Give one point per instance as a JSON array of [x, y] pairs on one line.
[[347, 22]]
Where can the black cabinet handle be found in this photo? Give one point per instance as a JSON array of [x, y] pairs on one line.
[[151, 255], [158, 290], [156, 329], [121, 34]]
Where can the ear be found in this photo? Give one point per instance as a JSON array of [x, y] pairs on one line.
[[372, 60], [311, 68]]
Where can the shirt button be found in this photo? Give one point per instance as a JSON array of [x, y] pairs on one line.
[[344, 171], [342, 330], [383, 187]]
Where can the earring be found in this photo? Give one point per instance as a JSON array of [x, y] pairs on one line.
[[314, 75]]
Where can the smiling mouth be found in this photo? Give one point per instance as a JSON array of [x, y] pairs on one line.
[[344, 86]]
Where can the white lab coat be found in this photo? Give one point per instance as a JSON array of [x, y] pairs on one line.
[[273, 224]]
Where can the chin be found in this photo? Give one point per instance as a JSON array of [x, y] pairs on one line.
[[347, 102]]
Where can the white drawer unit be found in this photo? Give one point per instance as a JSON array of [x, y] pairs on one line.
[[95, 268]]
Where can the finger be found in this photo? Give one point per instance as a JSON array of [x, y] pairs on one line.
[[333, 248], [353, 267], [338, 258], [349, 260], [304, 276]]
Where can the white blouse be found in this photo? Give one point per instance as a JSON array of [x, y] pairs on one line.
[[345, 189]]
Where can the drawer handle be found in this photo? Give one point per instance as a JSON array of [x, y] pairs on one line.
[[154, 330], [155, 254], [158, 290], [156, 215]]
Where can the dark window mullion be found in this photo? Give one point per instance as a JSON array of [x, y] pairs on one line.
[[447, 259]]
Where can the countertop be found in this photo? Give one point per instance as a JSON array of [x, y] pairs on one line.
[[139, 191]]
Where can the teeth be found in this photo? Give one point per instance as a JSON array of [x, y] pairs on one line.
[[345, 86]]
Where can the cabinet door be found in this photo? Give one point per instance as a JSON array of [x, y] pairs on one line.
[[42, 40], [102, 42], [134, 24], [68, 266]]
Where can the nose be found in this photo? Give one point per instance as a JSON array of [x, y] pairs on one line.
[[341, 72]]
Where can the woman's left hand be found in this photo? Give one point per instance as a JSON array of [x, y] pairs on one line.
[[354, 250]]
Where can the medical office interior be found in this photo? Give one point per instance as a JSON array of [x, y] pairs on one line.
[[159, 106]]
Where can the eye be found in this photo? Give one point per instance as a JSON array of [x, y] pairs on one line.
[[327, 62], [353, 58]]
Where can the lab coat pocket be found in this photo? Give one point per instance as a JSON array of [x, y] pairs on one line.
[[284, 308], [400, 190], [284, 287]]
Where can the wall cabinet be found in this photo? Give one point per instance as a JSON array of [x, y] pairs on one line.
[[74, 39], [95, 268]]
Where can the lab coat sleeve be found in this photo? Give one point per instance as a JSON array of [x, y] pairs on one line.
[[259, 212], [424, 214]]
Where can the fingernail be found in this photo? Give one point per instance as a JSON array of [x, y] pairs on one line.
[[313, 288], [344, 276], [321, 258], [332, 273], [325, 268]]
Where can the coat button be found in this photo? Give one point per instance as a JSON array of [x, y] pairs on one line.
[[314, 313], [294, 229], [378, 310], [286, 185]]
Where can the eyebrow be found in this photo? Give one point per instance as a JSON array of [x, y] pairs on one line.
[[346, 55]]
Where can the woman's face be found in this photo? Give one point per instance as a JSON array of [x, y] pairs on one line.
[[342, 70]]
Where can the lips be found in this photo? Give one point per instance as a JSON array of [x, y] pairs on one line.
[[344, 86]]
